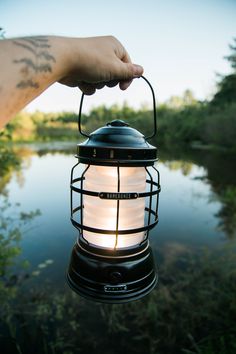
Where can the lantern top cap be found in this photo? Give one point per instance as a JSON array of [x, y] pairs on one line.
[[117, 143], [117, 135]]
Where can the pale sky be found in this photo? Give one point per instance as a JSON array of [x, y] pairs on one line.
[[180, 43]]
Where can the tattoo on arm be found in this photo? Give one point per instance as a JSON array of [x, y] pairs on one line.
[[37, 60]]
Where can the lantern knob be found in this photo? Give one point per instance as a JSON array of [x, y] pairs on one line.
[[118, 123]]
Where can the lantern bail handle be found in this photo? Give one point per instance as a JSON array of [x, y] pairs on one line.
[[154, 112]]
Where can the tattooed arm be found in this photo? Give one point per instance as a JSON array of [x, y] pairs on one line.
[[30, 65]]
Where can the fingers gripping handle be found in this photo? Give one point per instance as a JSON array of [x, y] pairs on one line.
[[154, 112]]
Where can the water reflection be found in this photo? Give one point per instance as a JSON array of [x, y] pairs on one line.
[[184, 166], [197, 202]]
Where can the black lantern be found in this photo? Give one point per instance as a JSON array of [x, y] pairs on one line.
[[114, 204]]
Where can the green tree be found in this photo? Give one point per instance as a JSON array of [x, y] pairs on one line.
[[232, 57], [226, 93]]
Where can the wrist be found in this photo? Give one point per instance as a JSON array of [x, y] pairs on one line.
[[60, 47], [67, 54]]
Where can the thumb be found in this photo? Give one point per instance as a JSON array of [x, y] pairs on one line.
[[137, 70], [131, 71]]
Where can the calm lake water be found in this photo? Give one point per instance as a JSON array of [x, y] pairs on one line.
[[189, 209]]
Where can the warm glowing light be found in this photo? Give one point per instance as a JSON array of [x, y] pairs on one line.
[[102, 213]]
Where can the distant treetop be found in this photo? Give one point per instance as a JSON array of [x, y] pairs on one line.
[[226, 93]]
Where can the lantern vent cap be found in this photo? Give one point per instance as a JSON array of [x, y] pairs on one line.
[[117, 143], [117, 134]]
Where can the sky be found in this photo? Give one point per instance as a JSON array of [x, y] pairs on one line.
[[180, 43]]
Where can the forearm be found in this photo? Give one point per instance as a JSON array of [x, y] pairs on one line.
[[28, 66]]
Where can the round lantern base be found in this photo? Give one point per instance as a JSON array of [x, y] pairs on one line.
[[112, 279]]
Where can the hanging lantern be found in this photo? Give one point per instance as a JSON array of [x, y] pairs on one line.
[[114, 204]]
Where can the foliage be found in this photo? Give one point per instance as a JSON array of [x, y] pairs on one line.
[[188, 311], [10, 280], [183, 126], [9, 162], [10, 235], [220, 128], [232, 57], [226, 93]]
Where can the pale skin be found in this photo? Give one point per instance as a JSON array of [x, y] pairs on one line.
[[30, 65]]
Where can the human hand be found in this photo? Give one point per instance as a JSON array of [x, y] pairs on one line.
[[32, 64], [92, 63]]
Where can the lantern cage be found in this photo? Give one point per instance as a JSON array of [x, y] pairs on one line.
[[114, 204]]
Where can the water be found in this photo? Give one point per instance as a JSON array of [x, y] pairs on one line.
[[188, 211]]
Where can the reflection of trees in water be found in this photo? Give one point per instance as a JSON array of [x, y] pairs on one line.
[[227, 213], [219, 170], [13, 160], [219, 173], [9, 163], [221, 176], [184, 166]]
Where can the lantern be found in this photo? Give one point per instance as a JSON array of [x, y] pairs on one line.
[[114, 204]]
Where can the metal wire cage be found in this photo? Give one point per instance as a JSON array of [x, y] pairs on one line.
[[150, 213]]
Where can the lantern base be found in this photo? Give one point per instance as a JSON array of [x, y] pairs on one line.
[[112, 279]]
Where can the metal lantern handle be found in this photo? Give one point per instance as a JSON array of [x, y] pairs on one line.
[[154, 112]]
